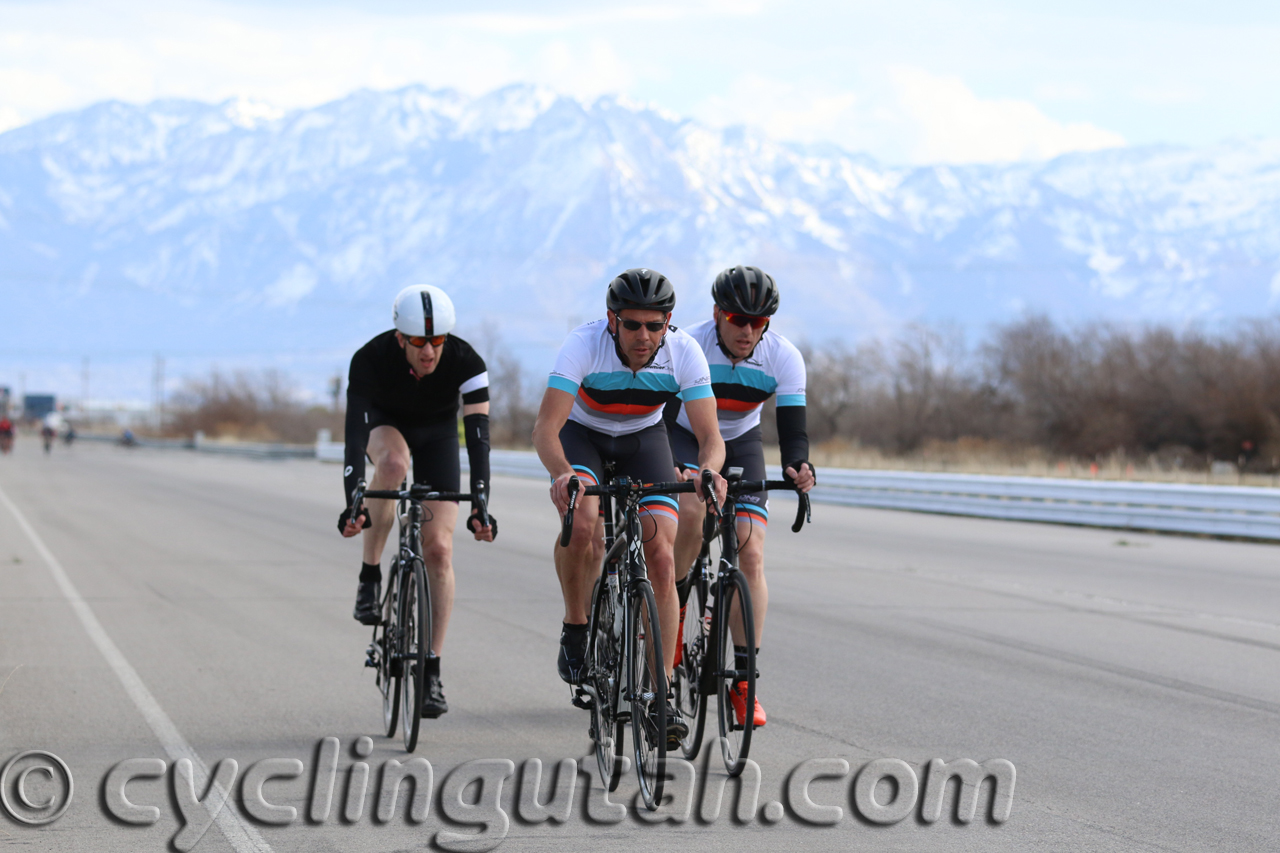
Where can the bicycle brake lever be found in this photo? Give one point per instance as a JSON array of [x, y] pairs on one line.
[[803, 513], [566, 531]]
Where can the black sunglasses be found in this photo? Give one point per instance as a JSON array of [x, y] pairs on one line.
[[634, 325]]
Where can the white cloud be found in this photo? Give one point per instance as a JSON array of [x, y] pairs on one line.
[[953, 125], [595, 71], [783, 110], [908, 115], [67, 54], [1167, 96]]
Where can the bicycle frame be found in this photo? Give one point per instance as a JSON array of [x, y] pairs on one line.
[[400, 645], [626, 592], [631, 543]]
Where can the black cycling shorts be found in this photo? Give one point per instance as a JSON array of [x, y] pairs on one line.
[[745, 452], [434, 448], [644, 456]]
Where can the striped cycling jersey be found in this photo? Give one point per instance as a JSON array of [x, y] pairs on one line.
[[774, 367], [608, 396]]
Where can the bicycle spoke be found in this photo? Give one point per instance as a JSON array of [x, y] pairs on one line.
[[734, 613], [686, 682], [388, 664], [414, 623], [648, 685]]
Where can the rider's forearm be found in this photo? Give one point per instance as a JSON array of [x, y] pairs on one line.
[[357, 439], [476, 429], [546, 440], [711, 451], [793, 437]]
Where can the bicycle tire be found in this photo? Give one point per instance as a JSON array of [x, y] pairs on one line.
[[647, 681], [415, 621], [388, 647], [604, 664], [687, 680], [734, 599]]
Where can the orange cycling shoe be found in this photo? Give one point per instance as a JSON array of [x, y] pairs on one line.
[[738, 696]]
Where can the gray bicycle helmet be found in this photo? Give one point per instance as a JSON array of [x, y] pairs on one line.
[[746, 290], [641, 288]]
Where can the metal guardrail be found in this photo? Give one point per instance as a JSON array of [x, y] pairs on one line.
[[1246, 512], [251, 449], [1182, 508]]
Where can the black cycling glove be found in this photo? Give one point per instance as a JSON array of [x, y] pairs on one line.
[[346, 516], [493, 523]]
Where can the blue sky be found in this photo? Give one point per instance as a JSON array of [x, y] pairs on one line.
[[913, 81]]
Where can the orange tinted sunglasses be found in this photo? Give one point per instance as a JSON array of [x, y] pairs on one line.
[[420, 342]]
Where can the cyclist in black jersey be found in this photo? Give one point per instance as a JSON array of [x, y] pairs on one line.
[[402, 401]]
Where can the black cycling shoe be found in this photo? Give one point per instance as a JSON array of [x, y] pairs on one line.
[[368, 599], [573, 655], [677, 728], [433, 704]]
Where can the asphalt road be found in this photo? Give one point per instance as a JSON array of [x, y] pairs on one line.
[[161, 605]]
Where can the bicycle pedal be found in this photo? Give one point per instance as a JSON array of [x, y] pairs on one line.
[[582, 699], [371, 656]]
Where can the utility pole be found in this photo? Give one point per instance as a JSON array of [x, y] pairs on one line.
[[157, 391], [84, 385]]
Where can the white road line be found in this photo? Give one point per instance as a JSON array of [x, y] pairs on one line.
[[243, 837]]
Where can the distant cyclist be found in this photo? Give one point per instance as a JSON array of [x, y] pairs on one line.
[[6, 434], [402, 402], [749, 364], [604, 402], [49, 430]]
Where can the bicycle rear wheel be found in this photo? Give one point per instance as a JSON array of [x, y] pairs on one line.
[[603, 666], [415, 627], [687, 678], [648, 685], [389, 649], [734, 606]]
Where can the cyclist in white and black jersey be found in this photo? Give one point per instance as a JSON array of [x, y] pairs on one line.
[[402, 402], [604, 401], [748, 364]]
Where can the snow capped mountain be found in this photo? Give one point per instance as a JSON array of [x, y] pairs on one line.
[[251, 229]]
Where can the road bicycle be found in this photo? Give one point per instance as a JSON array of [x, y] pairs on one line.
[[624, 680], [402, 639], [718, 614]]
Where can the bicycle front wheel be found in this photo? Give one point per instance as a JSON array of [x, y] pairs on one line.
[[415, 627], [733, 613], [389, 650], [648, 685], [604, 663], [687, 681]]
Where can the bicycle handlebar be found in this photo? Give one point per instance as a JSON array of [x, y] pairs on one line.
[[804, 511]]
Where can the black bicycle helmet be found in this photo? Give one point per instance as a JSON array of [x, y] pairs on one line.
[[746, 290], [641, 288]]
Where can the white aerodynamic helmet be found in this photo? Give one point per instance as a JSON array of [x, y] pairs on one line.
[[424, 310]]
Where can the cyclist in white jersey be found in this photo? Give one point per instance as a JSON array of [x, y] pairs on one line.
[[604, 401], [749, 364]]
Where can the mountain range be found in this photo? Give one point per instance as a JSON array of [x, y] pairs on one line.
[[216, 229]]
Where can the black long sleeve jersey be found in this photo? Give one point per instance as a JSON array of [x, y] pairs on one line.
[[382, 388]]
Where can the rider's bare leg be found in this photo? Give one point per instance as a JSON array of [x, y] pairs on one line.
[[437, 555], [390, 455]]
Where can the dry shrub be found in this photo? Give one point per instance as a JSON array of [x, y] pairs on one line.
[[249, 406], [1094, 392]]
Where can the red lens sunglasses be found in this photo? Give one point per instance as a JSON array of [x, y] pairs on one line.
[[741, 320]]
